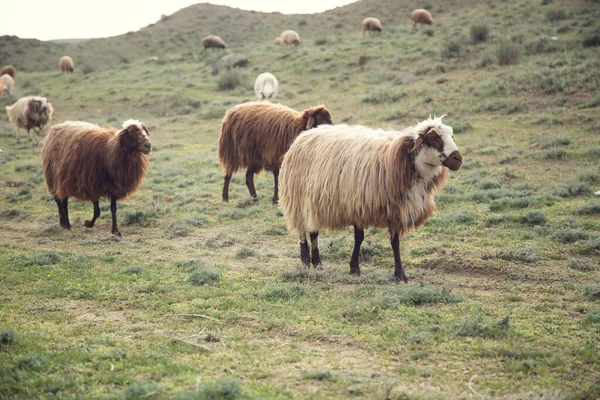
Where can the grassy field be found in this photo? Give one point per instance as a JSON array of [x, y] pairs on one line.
[[206, 300]]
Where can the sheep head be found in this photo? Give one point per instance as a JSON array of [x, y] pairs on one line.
[[434, 145], [135, 137], [316, 116]]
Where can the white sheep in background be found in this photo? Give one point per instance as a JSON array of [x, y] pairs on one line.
[[31, 112], [266, 86], [8, 84], [336, 176]]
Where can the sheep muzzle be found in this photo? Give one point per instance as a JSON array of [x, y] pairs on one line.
[[453, 161]]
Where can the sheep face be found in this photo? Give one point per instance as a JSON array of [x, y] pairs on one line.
[[135, 137], [435, 147], [317, 116]]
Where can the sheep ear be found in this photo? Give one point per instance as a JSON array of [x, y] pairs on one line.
[[311, 122], [417, 144]]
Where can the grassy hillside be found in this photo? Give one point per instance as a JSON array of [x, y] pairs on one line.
[[503, 299]]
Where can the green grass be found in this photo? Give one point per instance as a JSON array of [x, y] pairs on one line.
[[205, 299]]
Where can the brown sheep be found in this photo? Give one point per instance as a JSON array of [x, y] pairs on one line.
[[66, 64], [9, 69], [371, 25], [290, 37], [421, 16], [213, 42], [88, 162], [32, 112], [256, 135]]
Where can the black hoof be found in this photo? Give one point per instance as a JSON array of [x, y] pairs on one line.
[[275, 201], [401, 278], [116, 233], [318, 267], [88, 224], [354, 271]]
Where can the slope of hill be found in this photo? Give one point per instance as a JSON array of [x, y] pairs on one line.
[[202, 299]]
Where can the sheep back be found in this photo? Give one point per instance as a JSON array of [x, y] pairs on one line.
[[213, 41], [7, 83], [85, 161], [8, 69], [335, 176], [290, 37], [371, 24], [66, 64], [421, 16], [30, 112], [258, 134], [266, 86]]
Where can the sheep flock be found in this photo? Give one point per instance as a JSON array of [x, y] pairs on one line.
[[329, 176]]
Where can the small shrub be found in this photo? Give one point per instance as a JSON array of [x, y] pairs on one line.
[[383, 97], [183, 226], [535, 217], [222, 389], [508, 53], [461, 127], [491, 329], [485, 61], [141, 218], [579, 265], [45, 258], [231, 79], [592, 41], [593, 292], [592, 208], [320, 42], [526, 255], [452, 49], [244, 252], [428, 32], [283, 292], [556, 154], [7, 336], [416, 295], [320, 376], [594, 317], [202, 276], [556, 15], [32, 362], [140, 390], [479, 33], [133, 270], [489, 184], [567, 236], [219, 241]]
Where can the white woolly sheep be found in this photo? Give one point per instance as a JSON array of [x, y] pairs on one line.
[[336, 176], [31, 112], [421, 16], [7, 84], [266, 86], [371, 25], [66, 64], [277, 40], [290, 37]]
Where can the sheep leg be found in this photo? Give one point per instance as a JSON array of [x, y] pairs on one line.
[[276, 191], [61, 214], [304, 252], [250, 182], [65, 208], [226, 188], [398, 271], [113, 211], [359, 235], [18, 135], [314, 244], [36, 139], [90, 224]]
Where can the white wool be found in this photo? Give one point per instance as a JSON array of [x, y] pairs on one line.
[[130, 122], [266, 86]]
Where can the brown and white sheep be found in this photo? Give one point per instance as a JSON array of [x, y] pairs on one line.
[[256, 135], [213, 42], [290, 37], [421, 16], [31, 112], [371, 25], [266, 86], [336, 176], [85, 161], [7, 84], [66, 64], [8, 69]]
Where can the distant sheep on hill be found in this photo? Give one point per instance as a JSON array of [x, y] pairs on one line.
[[85, 161], [6, 84], [266, 86], [66, 64], [370, 25], [256, 135], [421, 16], [290, 37], [229, 61], [213, 42], [9, 69], [32, 112], [336, 176]]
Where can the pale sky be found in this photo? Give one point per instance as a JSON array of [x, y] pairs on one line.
[[70, 19]]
